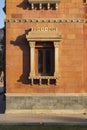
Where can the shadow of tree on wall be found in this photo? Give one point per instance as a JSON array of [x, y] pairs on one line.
[[22, 42], [24, 4]]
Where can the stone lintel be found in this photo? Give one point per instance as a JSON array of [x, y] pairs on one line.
[[44, 39]]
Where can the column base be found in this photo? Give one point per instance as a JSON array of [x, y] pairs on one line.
[[57, 75], [32, 74]]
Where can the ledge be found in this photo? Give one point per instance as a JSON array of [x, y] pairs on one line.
[[44, 1], [56, 39], [44, 77]]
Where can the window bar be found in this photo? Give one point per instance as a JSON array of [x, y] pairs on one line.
[[48, 6], [32, 6], [32, 81], [56, 6], [56, 81], [40, 81], [48, 81], [40, 5]]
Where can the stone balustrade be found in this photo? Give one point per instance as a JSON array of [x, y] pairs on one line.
[[43, 4], [40, 79]]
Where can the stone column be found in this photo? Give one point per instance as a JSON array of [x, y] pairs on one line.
[[56, 46], [32, 59]]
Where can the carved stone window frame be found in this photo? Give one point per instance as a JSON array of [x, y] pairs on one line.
[[32, 39]]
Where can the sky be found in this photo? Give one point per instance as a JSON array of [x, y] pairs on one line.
[[2, 14]]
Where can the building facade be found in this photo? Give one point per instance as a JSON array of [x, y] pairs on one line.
[[46, 50]]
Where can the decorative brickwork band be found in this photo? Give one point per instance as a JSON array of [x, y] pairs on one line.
[[52, 20]]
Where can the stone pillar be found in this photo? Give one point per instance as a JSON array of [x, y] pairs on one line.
[[56, 46], [32, 59]]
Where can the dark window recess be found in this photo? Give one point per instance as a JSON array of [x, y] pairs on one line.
[[40, 61], [53, 6], [48, 61], [45, 61]]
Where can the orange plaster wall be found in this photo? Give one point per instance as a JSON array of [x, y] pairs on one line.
[[85, 58], [72, 54], [66, 9]]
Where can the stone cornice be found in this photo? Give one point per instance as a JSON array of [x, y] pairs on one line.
[[45, 20]]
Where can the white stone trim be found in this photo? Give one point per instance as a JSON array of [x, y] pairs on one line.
[[50, 94], [48, 112], [32, 58]]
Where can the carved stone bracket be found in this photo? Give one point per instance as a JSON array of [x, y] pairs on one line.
[[56, 44], [32, 44]]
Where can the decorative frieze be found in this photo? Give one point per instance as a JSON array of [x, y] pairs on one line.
[[44, 29], [53, 20]]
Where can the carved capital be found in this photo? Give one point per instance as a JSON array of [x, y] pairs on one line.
[[32, 44], [56, 44]]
